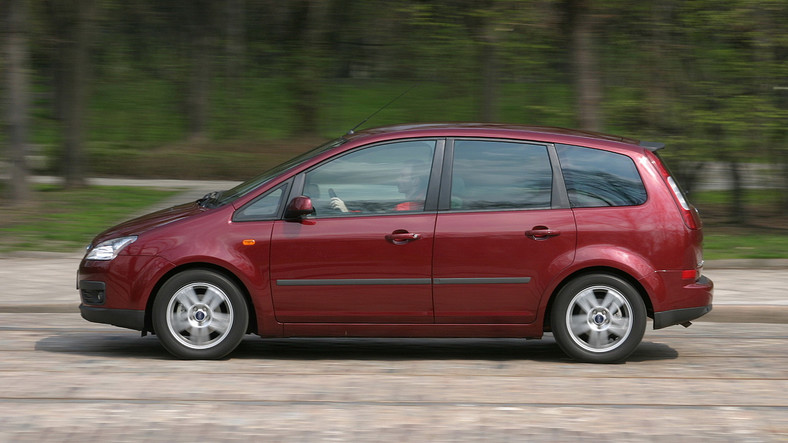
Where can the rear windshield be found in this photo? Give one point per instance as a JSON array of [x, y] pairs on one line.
[[596, 178]]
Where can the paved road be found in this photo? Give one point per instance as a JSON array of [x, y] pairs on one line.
[[68, 380]]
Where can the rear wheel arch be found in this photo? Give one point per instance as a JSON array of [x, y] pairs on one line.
[[251, 328], [598, 317], [596, 270]]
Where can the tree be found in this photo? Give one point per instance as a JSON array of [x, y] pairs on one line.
[[308, 29], [585, 70], [71, 25], [199, 18], [15, 13], [234, 59], [482, 24]]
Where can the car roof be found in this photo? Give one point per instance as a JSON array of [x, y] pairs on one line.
[[526, 132]]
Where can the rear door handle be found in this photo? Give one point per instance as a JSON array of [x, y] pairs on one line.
[[401, 236], [541, 233]]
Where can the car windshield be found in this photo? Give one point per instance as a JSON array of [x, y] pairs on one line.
[[253, 183]]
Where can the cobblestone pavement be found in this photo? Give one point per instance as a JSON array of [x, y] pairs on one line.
[[68, 380]]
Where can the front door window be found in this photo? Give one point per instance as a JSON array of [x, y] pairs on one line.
[[382, 179]]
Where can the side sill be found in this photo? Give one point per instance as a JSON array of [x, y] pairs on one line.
[[124, 318], [677, 316]]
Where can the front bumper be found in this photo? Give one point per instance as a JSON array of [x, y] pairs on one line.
[[125, 318]]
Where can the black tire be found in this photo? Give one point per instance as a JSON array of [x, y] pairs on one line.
[[598, 318], [200, 315]]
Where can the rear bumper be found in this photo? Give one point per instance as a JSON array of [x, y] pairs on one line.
[[688, 301], [125, 318], [677, 316]]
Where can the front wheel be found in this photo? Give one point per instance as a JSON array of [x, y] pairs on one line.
[[598, 318], [200, 314]]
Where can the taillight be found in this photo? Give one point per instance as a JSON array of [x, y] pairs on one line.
[[690, 274], [688, 212]]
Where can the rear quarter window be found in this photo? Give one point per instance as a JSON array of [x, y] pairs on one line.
[[597, 178]]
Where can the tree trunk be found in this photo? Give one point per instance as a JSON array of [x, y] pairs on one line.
[[234, 66], [737, 213], [200, 29], [784, 205], [657, 77], [588, 87], [18, 108], [73, 61], [488, 61], [305, 84], [199, 80]]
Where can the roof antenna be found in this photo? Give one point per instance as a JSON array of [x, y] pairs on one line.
[[353, 131]]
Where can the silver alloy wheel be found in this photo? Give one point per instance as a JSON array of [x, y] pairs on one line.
[[599, 318], [199, 315]]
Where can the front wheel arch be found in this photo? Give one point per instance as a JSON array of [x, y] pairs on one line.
[[251, 328], [200, 314]]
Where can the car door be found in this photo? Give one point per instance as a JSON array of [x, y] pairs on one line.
[[365, 256], [503, 231]]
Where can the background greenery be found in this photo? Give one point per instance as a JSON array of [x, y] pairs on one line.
[[225, 88], [63, 220]]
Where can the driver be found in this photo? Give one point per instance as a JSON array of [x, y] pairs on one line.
[[411, 182]]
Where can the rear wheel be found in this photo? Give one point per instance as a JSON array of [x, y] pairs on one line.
[[200, 314], [598, 318]]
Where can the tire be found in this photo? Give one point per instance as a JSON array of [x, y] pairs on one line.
[[598, 318], [200, 315]]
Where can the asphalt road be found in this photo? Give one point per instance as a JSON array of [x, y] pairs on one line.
[[65, 379]]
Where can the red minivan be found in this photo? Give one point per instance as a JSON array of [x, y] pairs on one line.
[[425, 230]]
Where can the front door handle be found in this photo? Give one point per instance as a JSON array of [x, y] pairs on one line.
[[401, 237], [541, 233]]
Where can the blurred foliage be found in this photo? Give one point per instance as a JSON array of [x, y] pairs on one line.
[[706, 77], [66, 220], [759, 246]]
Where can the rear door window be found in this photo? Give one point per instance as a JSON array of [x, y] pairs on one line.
[[596, 178], [494, 175]]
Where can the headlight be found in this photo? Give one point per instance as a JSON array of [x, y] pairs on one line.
[[107, 250]]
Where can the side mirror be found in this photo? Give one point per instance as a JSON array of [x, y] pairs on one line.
[[298, 208]]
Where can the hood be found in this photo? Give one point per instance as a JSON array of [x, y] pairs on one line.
[[153, 220]]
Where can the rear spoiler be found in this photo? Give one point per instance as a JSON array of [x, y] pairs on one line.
[[652, 146]]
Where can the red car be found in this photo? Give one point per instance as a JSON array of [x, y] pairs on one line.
[[427, 230]]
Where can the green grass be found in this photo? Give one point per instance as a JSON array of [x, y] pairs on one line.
[[135, 111], [760, 197], [763, 235], [66, 220], [727, 246]]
